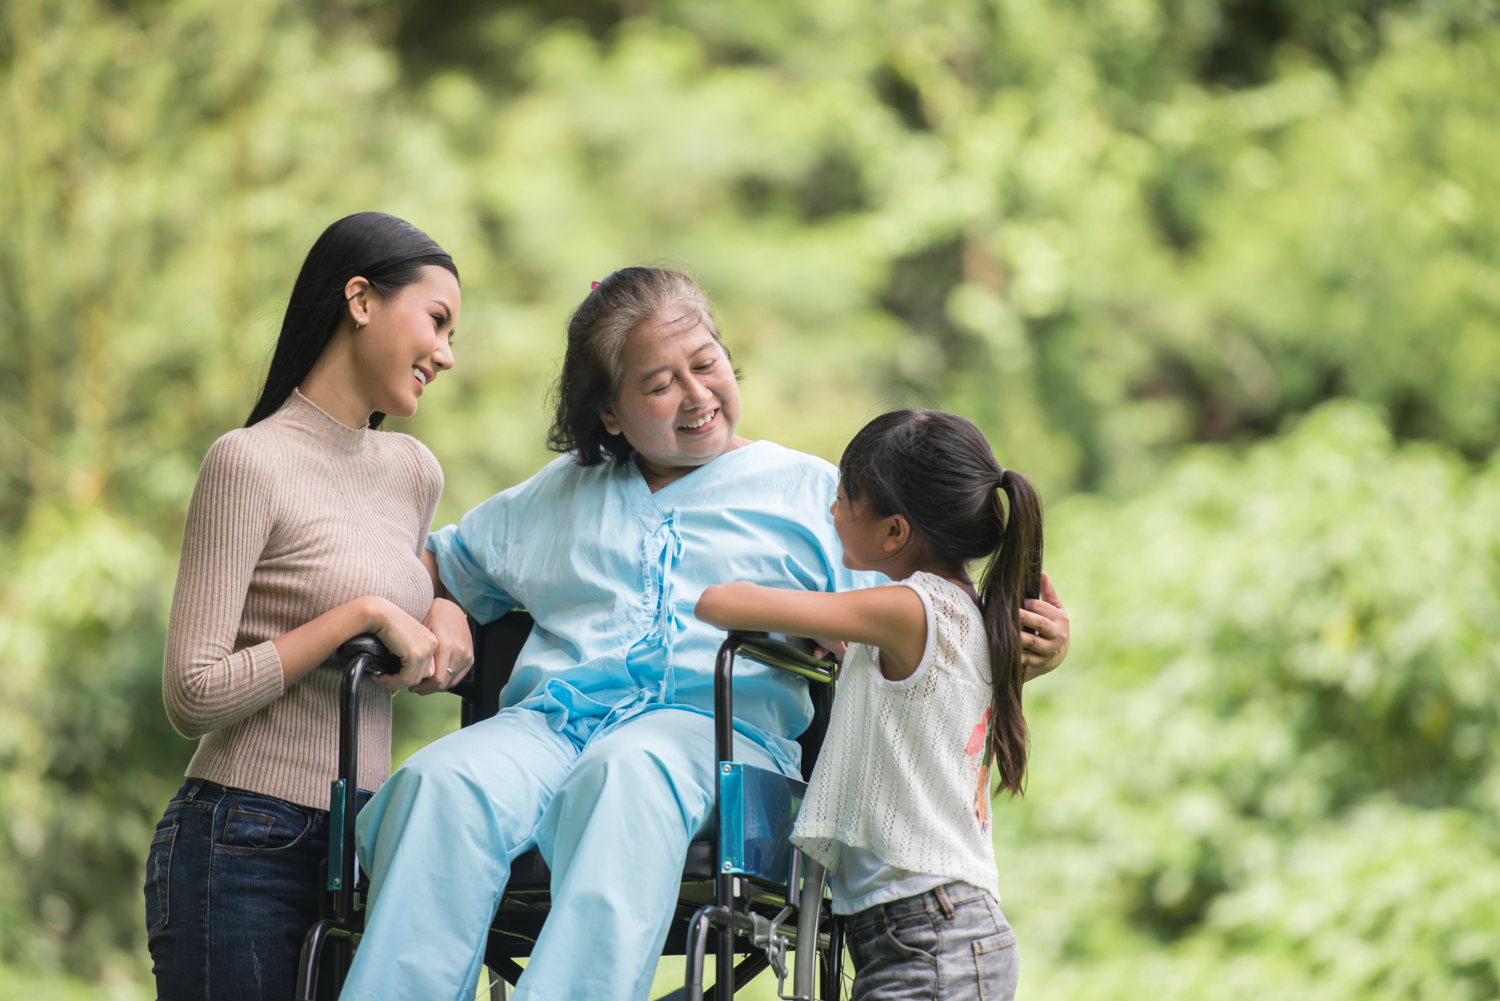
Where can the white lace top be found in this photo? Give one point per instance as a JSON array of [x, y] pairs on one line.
[[901, 772]]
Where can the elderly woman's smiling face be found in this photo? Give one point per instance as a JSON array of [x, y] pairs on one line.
[[678, 401]]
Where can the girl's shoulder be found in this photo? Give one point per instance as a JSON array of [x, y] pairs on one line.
[[957, 641], [948, 599]]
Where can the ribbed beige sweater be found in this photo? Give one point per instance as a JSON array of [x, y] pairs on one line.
[[290, 518]]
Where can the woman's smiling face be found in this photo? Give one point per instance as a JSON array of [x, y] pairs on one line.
[[405, 341], [678, 401]]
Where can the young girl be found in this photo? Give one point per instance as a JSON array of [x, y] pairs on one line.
[[929, 698]]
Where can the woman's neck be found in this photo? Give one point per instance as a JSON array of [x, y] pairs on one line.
[[900, 569], [332, 386], [658, 476]]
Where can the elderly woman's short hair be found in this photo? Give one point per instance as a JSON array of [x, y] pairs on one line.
[[593, 364]]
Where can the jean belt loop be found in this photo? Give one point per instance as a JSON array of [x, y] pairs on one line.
[[941, 893], [194, 787]]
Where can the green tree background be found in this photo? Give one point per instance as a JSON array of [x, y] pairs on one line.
[[1222, 275]]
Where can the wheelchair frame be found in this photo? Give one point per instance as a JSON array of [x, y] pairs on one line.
[[746, 902]]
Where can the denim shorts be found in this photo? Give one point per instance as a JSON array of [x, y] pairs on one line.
[[950, 943], [232, 885]]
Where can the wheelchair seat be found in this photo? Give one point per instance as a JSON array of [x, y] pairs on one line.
[[529, 871]]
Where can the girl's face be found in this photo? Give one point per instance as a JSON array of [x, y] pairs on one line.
[[870, 542], [678, 401], [405, 340]]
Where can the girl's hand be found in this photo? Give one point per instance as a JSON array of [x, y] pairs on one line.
[[455, 647], [825, 647], [408, 639], [1047, 646]]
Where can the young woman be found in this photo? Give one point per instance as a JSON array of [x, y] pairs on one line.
[[305, 529]]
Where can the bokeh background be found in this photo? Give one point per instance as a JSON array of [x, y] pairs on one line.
[[1222, 276]]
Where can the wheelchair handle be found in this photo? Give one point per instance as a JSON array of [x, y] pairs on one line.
[[766, 649], [379, 659]]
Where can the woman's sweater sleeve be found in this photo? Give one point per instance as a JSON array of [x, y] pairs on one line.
[[206, 683]]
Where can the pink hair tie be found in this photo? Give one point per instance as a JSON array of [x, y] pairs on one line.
[[593, 285]]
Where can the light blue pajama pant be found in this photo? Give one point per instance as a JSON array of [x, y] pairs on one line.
[[612, 817]]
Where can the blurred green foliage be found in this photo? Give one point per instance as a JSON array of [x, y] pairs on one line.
[[1272, 767], [1137, 240]]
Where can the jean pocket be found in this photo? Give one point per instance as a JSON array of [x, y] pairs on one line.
[[997, 966], [159, 878], [264, 824], [913, 936]]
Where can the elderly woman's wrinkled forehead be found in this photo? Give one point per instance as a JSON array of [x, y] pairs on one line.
[[674, 320], [671, 325]]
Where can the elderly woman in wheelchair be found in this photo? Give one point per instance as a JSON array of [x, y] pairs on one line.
[[604, 755]]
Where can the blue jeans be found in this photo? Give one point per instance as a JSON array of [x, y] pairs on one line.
[[951, 943], [231, 889]]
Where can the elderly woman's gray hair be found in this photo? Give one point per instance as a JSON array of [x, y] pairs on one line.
[[593, 364]]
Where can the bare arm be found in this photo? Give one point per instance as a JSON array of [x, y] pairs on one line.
[[429, 560], [891, 618]]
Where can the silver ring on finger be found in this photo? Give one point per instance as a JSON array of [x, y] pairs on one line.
[[451, 672]]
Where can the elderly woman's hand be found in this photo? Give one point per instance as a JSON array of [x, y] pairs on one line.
[[455, 647], [1047, 645]]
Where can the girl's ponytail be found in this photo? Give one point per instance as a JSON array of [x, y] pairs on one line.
[[1014, 574]]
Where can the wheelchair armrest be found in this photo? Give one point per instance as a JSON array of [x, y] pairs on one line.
[[382, 661], [765, 649]]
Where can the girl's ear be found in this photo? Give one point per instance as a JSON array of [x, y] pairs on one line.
[[896, 533], [609, 420]]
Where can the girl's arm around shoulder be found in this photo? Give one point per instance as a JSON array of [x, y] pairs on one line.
[[891, 618]]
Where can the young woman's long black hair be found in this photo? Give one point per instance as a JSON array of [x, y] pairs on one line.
[[937, 470], [387, 252]]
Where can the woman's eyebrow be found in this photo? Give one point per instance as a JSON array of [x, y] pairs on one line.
[[648, 376], [447, 310]]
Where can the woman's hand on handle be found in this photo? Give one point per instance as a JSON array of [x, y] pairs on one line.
[[407, 639], [1046, 645], [455, 647], [311, 643]]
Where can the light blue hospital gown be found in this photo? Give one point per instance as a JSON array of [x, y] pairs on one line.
[[604, 755]]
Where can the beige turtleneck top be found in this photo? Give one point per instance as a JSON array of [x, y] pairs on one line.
[[290, 518]]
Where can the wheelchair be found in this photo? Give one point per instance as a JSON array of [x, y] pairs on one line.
[[744, 884]]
